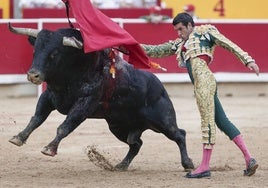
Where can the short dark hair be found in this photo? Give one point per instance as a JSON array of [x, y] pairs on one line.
[[183, 18]]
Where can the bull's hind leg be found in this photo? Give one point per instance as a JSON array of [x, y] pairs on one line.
[[178, 135], [132, 138], [135, 143], [162, 117], [171, 130]]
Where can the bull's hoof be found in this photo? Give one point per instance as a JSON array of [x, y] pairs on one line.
[[121, 166], [188, 169], [16, 140], [188, 166], [48, 151]]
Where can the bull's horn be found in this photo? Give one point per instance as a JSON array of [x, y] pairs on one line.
[[72, 41], [23, 31]]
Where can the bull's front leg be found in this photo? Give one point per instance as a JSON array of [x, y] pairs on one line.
[[43, 109], [83, 108]]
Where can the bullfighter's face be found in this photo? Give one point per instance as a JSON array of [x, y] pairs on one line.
[[183, 31]]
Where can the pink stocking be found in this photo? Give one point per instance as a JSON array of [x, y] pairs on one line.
[[204, 166], [238, 140]]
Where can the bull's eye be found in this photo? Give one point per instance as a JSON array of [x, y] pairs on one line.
[[54, 54]]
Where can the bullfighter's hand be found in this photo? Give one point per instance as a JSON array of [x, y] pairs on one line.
[[253, 66]]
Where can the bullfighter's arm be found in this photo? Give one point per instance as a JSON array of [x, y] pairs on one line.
[[161, 50], [227, 44]]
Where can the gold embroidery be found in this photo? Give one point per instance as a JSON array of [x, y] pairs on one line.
[[205, 87]]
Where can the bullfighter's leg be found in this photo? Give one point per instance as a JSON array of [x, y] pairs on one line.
[[132, 138], [162, 117], [42, 111]]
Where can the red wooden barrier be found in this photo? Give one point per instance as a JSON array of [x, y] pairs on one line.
[[1, 13], [112, 13], [16, 52]]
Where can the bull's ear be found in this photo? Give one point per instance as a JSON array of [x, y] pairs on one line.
[[31, 40]]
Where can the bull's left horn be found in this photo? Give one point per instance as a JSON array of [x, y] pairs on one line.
[[23, 31], [72, 41]]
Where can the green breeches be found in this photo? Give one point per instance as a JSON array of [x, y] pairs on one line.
[[209, 106]]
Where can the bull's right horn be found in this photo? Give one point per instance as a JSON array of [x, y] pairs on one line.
[[23, 31], [72, 41]]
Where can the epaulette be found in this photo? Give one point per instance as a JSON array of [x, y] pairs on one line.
[[203, 29]]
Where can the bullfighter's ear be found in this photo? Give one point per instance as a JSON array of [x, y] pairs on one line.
[[31, 40]]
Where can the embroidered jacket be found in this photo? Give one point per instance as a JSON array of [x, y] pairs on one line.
[[202, 41]]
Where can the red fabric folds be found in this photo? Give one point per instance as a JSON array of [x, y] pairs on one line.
[[100, 32]]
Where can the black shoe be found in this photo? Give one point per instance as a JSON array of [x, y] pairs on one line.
[[205, 174], [251, 169]]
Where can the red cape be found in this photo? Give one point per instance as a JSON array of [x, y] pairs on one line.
[[100, 32]]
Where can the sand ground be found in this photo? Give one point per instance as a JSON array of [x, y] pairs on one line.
[[157, 164]]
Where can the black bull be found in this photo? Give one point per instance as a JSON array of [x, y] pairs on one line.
[[81, 86]]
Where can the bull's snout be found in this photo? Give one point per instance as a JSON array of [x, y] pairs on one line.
[[34, 77]]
